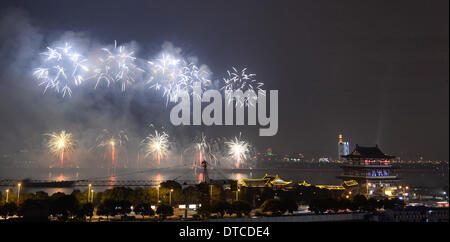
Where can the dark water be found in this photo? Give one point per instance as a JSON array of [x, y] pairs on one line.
[[410, 177]]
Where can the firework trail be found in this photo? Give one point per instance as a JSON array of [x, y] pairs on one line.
[[156, 145], [62, 69], [238, 150], [117, 65], [60, 143], [175, 76], [201, 150], [111, 143], [241, 81]]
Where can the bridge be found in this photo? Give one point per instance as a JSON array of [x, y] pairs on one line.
[[109, 181], [85, 183]]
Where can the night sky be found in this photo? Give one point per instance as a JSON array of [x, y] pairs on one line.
[[375, 71]]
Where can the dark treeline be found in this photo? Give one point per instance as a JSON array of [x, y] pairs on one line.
[[214, 199]]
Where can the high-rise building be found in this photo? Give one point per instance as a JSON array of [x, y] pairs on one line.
[[343, 147]]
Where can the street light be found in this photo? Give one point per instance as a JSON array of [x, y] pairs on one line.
[[92, 195], [170, 197], [18, 193], [7, 195], [89, 193], [157, 201]]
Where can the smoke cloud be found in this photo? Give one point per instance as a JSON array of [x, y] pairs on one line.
[[27, 114]]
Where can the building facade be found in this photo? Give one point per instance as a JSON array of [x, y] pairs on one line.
[[343, 147], [372, 170]]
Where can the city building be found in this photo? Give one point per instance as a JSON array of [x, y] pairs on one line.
[[372, 170], [343, 147]]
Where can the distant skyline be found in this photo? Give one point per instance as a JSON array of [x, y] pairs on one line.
[[374, 71]]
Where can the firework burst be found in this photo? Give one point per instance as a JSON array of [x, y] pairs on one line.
[[238, 150], [201, 150], [241, 81], [60, 143], [117, 65], [156, 145], [175, 76], [110, 143], [62, 69]]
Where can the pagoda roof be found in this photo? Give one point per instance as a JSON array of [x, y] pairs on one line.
[[367, 152], [266, 181], [350, 183], [331, 187], [263, 182], [304, 183], [279, 182]]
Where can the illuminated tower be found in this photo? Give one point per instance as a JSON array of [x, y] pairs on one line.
[[372, 169], [343, 147]]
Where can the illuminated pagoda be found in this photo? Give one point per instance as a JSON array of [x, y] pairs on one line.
[[371, 169], [274, 182]]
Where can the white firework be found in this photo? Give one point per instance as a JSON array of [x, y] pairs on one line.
[[241, 81], [175, 76], [156, 145], [238, 150], [117, 65], [62, 69]]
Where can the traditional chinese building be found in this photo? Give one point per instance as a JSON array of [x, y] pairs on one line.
[[346, 185], [274, 182], [372, 170]]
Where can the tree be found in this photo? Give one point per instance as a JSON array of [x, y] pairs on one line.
[[141, 195], [372, 204], [267, 194], [164, 211], [360, 202], [343, 203], [274, 206], [331, 204], [86, 209], [40, 195], [63, 205], [171, 185], [35, 210], [123, 207], [290, 204], [241, 207], [318, 206], [191, 195], [220, 207], [107, 208], [205, 210], [8, 209], [118, 194], [144, 209]]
